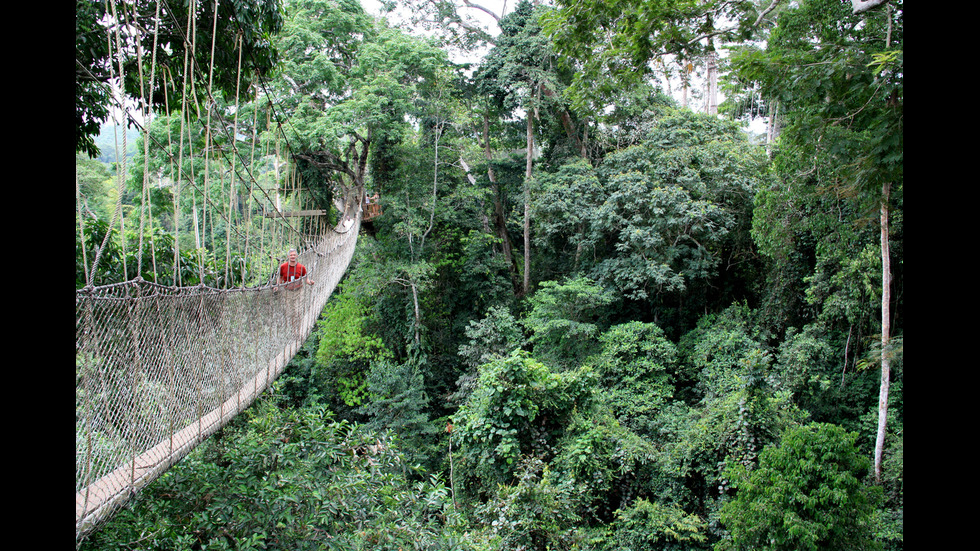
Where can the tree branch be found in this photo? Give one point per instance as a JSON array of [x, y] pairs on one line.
[[861, 6], [327, 160], [483, 9], [762, 14]]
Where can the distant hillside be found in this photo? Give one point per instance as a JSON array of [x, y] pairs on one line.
[[107, 142]]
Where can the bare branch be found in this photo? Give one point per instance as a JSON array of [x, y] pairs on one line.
[[861, 6], [483, 9], [766, 11]]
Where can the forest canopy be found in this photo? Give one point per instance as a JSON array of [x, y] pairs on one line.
[[638, 282]]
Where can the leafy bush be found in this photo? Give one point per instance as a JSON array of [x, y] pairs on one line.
[[651, 526], [518, 408], [807, 493], [536, 512], [635, 368], [566, 319]]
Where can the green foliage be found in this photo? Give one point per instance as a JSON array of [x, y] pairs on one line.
[[95, 185], [342, 331], [807, 493], [482, 271], [563, 214], [635, 369], [665, 217], [518, 408], [846, 284], [536, 512], [348, 75], [519, 63], [566, 319], [92, 99], [652, 526], [807, 366], [734, 409], [347, 348], [614, 44], [630, 118], [671, 227], [110, 267], [713, 351], [494, 337], [838, 80], [397, 403], [673, 201], [891, 516], [608, 464]]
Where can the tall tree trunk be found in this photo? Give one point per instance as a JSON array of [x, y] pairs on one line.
[[499, 218], [886, 324], [686, 69], [885, 332], [772, 128], [418, 313], [527, 202], [711, 99]]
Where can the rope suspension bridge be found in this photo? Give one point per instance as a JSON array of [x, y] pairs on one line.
[[161, 367]]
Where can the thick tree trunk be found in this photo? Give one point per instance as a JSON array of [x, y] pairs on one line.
[[711, 101], [885, 330], [566, 122]]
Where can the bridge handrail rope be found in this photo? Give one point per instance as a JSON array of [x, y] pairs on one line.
[[159, 368]]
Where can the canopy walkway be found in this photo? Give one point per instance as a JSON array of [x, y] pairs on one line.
[[159, 369]]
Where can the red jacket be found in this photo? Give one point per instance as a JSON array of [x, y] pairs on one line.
[[292, 275]]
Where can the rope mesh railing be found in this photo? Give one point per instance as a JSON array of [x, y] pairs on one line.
[[159, 369]]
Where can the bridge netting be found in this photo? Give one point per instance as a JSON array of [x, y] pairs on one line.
[[159, 369]]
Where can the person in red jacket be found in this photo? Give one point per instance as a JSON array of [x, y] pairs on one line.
[[292, 272]]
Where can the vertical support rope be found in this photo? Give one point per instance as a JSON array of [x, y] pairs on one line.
[[146, 139], [122, 169], [81, 230]]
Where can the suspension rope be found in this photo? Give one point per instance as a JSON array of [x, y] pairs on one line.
[[116, 212]]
